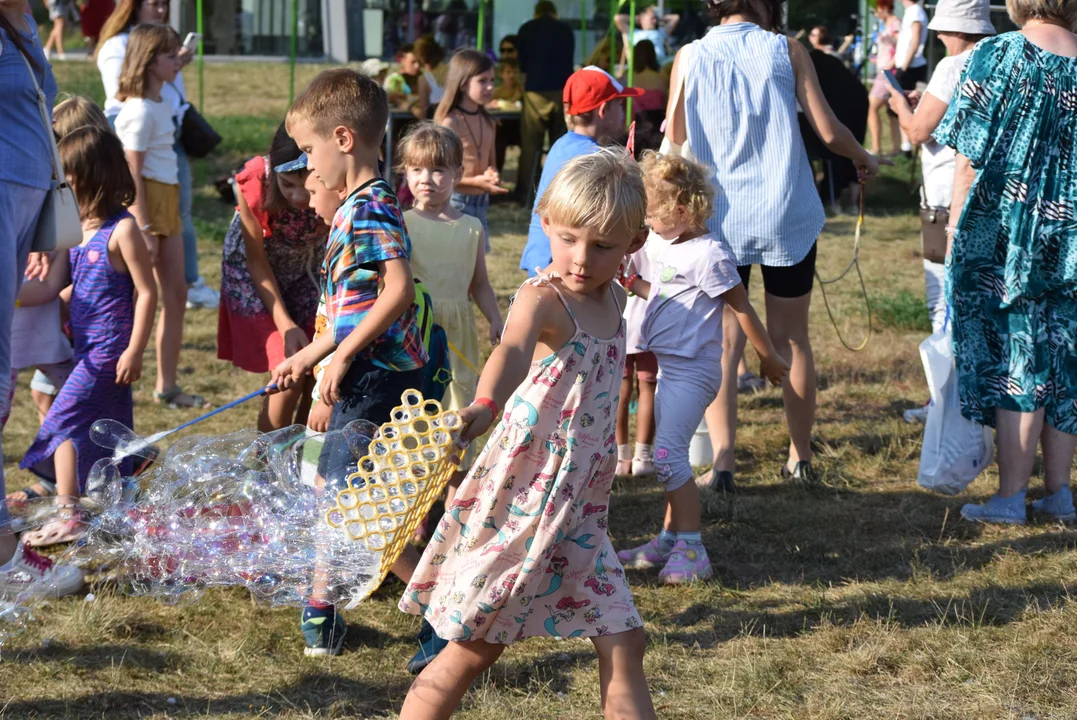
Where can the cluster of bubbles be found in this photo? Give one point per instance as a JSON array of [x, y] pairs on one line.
[[240, 510]]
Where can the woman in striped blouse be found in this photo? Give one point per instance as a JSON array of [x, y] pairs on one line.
[[738, 114]]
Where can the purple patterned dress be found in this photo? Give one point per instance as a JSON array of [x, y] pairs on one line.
[[102, 316]]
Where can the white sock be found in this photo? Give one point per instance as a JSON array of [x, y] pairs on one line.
[[644, 452], [624, 453]]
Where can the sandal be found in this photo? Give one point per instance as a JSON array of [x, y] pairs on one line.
[[171, 398], [40, 489], [55, 532], [803, 473]]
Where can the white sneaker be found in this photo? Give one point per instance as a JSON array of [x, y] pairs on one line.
[[29, 571], [906, 147], [201, 295]]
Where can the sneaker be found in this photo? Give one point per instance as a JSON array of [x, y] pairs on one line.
[[749, 382], [686, 564], [647, 555], [323, 631], [906, 147], [914, 416], [1056, 506], [720, 481], [38, 575], [430, 646], [201, 295], [642, 467], [803, 473], [1007, 511]]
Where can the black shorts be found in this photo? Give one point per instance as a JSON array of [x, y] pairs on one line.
[[788, 282], [370, 393], [908, 78]]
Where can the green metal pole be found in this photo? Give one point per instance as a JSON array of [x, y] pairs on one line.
[[482, 23], [291, 69], [583, 31], [201, 57], [613, 36], [631, 56]]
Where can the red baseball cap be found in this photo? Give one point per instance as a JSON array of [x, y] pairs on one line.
[[591, 86]]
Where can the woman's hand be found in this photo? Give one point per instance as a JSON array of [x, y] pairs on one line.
[[294, 340], [185, 57], [867, 166], [152, 244], [37, 266], [899, 103]]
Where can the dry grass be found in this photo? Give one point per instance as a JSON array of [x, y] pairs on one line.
[[866, 598]]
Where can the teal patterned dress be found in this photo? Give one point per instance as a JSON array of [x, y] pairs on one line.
[[1013, 266]]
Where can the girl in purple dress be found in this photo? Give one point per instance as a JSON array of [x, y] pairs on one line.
[[110, 324]]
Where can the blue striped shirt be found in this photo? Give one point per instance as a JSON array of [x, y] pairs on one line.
[[25, 146], [741, 110]]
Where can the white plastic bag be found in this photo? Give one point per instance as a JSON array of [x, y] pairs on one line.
[[955, 448]]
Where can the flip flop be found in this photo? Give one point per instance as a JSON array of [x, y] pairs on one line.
[[168, 397], [55, 532]]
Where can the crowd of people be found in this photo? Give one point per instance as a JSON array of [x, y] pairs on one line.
[[638, 265]]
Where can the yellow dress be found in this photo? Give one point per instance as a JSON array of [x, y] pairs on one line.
[[443, 257]]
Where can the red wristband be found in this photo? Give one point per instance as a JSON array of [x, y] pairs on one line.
[[630, 280], [489, 405]]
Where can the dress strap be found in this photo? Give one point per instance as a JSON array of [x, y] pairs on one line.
[[542, 279]]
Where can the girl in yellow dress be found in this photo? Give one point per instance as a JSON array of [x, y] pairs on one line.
[[448, 254]]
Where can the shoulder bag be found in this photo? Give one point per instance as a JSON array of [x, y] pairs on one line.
[[197, 135], [58, 226]]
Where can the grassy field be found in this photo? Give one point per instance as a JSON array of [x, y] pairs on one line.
[[864, 598]]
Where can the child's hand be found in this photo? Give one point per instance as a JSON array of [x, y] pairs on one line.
[[152, 244], [476, 420], [128, 367], [318, 419], [332, 380], [294, 340], [774, 368], [492, 182], [37, 266], [290, 372], [495, 332]]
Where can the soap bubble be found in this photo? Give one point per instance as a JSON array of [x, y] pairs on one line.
[[285, 514]]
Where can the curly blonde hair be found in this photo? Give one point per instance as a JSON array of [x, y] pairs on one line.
[[673, 181]]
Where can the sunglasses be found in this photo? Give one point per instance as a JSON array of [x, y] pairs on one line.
[[507, 49]]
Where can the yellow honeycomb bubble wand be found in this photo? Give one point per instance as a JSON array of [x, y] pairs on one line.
[[406, 468]]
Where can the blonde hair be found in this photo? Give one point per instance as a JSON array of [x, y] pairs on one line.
[[429, 145], [145, 44], [342, 97], [1021, 11], [75, 112], [676, 181], [603, 190]]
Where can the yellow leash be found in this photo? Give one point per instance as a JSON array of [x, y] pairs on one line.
[[855, 262], [461, 356]]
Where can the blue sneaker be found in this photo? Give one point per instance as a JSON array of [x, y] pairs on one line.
[[1056, 506], [1007, 511], [323, 630], [430, 645]]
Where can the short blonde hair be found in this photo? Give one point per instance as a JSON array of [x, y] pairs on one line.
[[75, 112], [603, 190], [1021, 11], [430, 145], [673, 181], [342, 97]]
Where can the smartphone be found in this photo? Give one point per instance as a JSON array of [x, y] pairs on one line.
[[892, 79], [191, 41]]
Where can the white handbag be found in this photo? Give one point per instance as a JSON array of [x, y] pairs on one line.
[[669, 147], [59, 226]]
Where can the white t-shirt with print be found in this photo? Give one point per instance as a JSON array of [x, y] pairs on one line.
[[684, 308], [940, 161], [146, 126], [913, 14]]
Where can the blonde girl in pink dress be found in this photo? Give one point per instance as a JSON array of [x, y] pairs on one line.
[[523, 550]]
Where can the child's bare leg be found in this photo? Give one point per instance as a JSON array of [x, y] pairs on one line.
[[65, 460], [625, 694], [645, 413], [278, 409], [42, 401], [305, 402], [624, 453], [453, 486], [682, 509], [405, 565], [438, 690], [169, 272]]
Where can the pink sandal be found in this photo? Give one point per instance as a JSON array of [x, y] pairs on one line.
[[55, 532]]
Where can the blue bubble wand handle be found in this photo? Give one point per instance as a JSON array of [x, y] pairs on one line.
[[221, 409]]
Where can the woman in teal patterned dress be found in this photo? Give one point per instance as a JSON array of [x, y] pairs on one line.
[[1013, 254]]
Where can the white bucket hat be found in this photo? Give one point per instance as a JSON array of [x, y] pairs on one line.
[[972, 17]]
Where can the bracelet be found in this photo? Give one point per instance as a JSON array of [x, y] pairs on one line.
[[630, 280], [951, 230], [489, 405]]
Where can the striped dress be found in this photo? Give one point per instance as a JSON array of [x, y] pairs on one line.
[[102, 316], [741, 109]]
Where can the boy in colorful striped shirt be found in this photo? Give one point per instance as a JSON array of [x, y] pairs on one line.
[[369, 298]]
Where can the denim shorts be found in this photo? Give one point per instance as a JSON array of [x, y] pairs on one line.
[[475, 206], [370, 393]]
